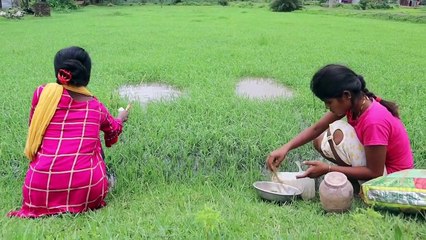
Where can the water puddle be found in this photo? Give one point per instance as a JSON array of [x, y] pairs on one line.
[[146, 93], [262, 88]]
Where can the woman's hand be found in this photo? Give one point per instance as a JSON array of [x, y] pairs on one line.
[[123, 115], [316, 169], [276, 157]]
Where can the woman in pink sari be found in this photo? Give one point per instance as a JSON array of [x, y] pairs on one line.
[[67, 173]]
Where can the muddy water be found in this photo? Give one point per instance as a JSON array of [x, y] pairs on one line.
[[262, 88], [146, 93]]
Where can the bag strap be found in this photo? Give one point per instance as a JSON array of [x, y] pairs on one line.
[[337, 159]]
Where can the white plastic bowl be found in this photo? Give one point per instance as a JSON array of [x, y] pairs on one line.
[[306, 185]]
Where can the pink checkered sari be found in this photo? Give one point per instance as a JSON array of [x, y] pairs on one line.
[[68, 173]]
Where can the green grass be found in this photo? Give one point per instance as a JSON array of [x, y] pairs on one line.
[[185, 168]]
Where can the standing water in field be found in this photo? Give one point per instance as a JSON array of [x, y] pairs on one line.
[[146, 93], [262, 88]]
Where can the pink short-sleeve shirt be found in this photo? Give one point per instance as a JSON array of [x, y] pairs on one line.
[[377, 126]]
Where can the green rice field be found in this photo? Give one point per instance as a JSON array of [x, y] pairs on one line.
[[185, 168]]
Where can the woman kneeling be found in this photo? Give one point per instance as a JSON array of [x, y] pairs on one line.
[[371, 143]]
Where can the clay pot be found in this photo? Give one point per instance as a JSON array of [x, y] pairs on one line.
[[336, 192]]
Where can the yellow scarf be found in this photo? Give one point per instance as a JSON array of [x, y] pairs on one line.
[[43, 114]]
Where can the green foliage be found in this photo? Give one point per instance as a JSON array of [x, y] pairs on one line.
[[313, 2], [356, 6], [223, 2], [209, 219], [374, 4], [63, 5], [165, 2], [393, 14], [285, 5], [363, 4]]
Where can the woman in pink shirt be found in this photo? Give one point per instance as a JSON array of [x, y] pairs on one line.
[[372, 142], [66, 171]]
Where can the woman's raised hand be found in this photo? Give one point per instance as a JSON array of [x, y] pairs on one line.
[[123, 114], [276, 157]]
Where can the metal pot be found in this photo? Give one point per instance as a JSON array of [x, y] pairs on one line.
[[276, 192]]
